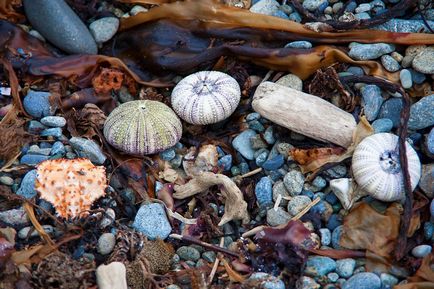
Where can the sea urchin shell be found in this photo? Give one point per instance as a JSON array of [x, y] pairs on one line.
[[206, 97], [142, 127], [70, 185], [376, 167]]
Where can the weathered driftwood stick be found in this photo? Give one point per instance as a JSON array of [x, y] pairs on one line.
[[235, 206], [304, 113]]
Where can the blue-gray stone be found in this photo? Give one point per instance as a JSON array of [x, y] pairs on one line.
[[294, 181], [35, 127], [88, 149], [274, 163], [242, 144], [188, 253], [363, 15], [422, 113], [235, 171], [345, 267], [363, 280], [336, 237], [405, 77], [269, 135], [280, 14], [37, 104], [225, 162], [332, 277], [45, 145], [104, 28], [58, 148], [326, 236], [54, 121], [297, 203], [424, 61], [364, 7], [106, 243], [313, 5], [27, 187], [319, 182], [430, 141], [267, 7], [355, 70], [253, 116], [256, 125], [382, 125], [54, 131], [264, 192], [319, 266], [151, 220], [388, 280], [403, 25], [168, 154], [421, 251], [370, 51], [267, 281], [261, 157], [277, 217], [35, 150], [372, 101], [390, 63], [299, 44], [428, 230], [417, 77], [391, 109], [351, 7], [295, 16], [432, 208], [244, 168], [32, 160], [58, 23], [331, 198]]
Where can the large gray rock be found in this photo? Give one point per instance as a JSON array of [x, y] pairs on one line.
[[58, 23]]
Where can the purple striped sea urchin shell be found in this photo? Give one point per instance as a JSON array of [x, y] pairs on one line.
[[142, 127], [206, 97]]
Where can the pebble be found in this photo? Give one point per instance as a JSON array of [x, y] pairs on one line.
[[36, 34], [388, 280], [319, 266], [424, 61], [264, 192], [24, 232], [6, 180], [88, 149], [35, 127], [111, 276], [256, 126], [326, 236], [188, 253], [14, 217], [277, 217], [253, 116], [297, 204], [404, 26], [267, 7], [293, 182], [36, 103], [27, 187], [391, 109], [152, 221], [104, 29], [274, 163], [225, 162], [209, 256], [309, 283], [355, 70], [336, 237], [137, 9], [292, 81], [267, 281], [295, 16], [53, 121], [426, 182], [58, 148], [422, 113], [108, 219], [428, 230], [269, 135], [261, 156], [168, 154], [382, 125], [299, 45], [32, 160], [173, 286], [345, 267], [430, 142], [313, 5], [363, 280], [405, 77], [421, 251], [242, 144], [279, 189], [58, 23], [372, 101], [370, 51], [364, 7], [389, 63], [337, 172], [332, 277], [54, 131], [35, 150], [106, 243]]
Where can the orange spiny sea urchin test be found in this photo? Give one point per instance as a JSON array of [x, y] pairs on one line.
[[70, 185]]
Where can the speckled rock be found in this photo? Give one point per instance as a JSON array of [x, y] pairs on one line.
[[292, 81], [426, 182], [422, 113], [382, 125], [309, 283], [298, 203], [326, 236], [294, 181], [370, 51], [188, 253], [58, 23], [363, 281], [313, 5], [406, 78], [388, 280], [391, 109], [104, 29], [36, 103], [299, 44], [318, 266], [152, 221], [264, 191], [27, 187], [14, 217], [88, 149], [345, 267], [404, 26], [54, 121], [106, 243], [389, 63], [267, 7], [424, 61], [421, 251], [277, 217], [267, 281], [372, 101], [243, 145]]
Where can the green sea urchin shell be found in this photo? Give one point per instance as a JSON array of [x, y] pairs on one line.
[[142, 127]]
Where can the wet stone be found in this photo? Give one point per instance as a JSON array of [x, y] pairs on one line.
[[27, 186], [256, 126], [57, 148], [336, 237], [318, 266], [363, 281], [261, 157], [269, 135]]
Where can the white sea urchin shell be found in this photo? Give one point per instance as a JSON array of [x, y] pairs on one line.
[[376, 167], [206, 97]]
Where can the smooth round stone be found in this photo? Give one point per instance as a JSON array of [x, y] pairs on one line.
[[313, 5], [422, 113], [364, 7], [225, 162], [299, 45], [27, 187], [424, 61], [188, 253], [14, 217], [58, 23], [318, 266], [256, 126], [277, 217], [309, 283], [264, 192], [294, 181], [319, 183], [421, 251], [269, 135], [24, 232], [333, 277], [355, 70], [267, 7], [382, 125], [428, 230], [388, 280], [242, 144], [326, 236], [279, 189], [104, 29], [261, 157], [54, 132], [6, 180], [274, 163], [58, 148], [53, 121], [267, 281], [36, 34], [37, 104], [362, 16], [152, 221], [297, 204], [253, 116], [336, 237], [108, 219], [417, 77], [32, 160], [86, 148], [168, 154], [292, 81], [391, 109], [137, 9], [372, 101], [106, 243], [405, 77], [295, 16], [370, 51], [209, 256], [389, 63], [345, 267], [35, 127], [363, 281]]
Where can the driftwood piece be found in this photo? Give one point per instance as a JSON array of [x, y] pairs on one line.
[[235, 206], [304, 113]]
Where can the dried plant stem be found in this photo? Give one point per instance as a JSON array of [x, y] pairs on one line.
[[216, 263], [306, 209], [204, 244], [251, 173]]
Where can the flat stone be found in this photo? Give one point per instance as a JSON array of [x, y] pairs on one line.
[[58, 23], [318, 266], [292, 81], [104, 29], [54, 121], [267, 7], [406, 78], [297, 204], [27, 186], [106, 243], [390, 63], [14, 217], [152, 221], [424, 61], [391, 109], [88, 149], [32, 160], [274, 163], [299, 45], [267, 281], [242, 144], [24, 232], [188, 253], [422, 113], [363, 280], [54, 131], [372, 101], [382, 125], [370, 51], [277, 217], [404, 26], [37, 104], [264, 192]]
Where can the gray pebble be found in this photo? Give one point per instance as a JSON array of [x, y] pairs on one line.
[[209, 256], [297, 204], [27, 187], [372, 101], [421, 251], [267, 281], [292, 81], [137, 9], [363, 281], [269, 135], [318, 266], [388, 280], [106, 243], [54, 121], [54, 132], [422, 113], [326, 236], [32, 160], [14, 217], [267, 7], [404, 26], [389, 63], [424, 61], [108, 219], [405, 77], [242, 144], [293, 182], [345, 267], [188, 253], [36, 103], [391, 109], [88, 149], [332, 277], [152, 221], [370, 51], [277, 217], [57, 148], [313, 5], [309, 283], [382, 125], [299, 45], [24, 232], [6, 180], [104, 29]]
